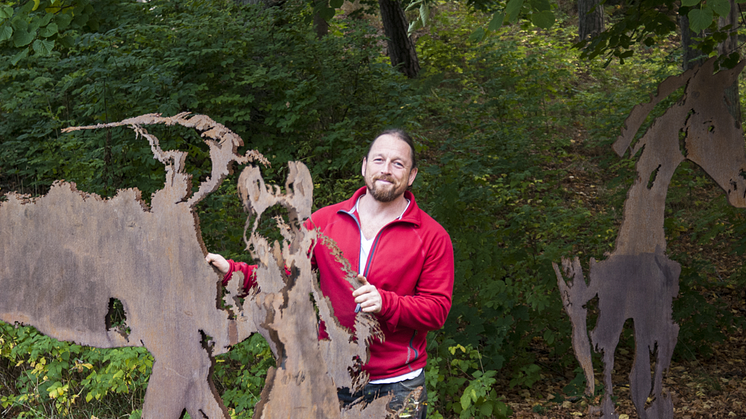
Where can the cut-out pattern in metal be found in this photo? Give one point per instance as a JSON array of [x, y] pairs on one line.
[[67, 255], [637, 280]]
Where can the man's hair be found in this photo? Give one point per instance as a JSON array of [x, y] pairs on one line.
[[399, 134]]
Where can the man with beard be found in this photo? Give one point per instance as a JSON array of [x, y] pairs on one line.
[[405, 263]]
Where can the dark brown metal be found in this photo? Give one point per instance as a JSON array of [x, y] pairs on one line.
[[66, 255], [637, 281]]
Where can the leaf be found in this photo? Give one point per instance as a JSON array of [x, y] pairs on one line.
[[326, 13], [336, 4], [689, 3], [478, 35], [22, 38], [544, 19], [20, 24], [721, 7], [48, 30], [6, 12], [63, 20], [5, 33], [413, 26], [540, 5], [43, 47], [424, 13], [496, 22], [465, 400], [18, 57], [66, 41], [486, 409], [732, 60], [36, 5], [700, 19], [512, 10]]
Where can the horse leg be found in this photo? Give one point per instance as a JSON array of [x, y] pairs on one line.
[[606, 338], [203, 400], [662, 406], [164, 397], [639, 376]]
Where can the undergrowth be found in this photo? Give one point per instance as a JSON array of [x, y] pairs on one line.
[[514, 134]]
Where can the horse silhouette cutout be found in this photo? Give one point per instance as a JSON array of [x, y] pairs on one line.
[[637, 280], [66, 256]]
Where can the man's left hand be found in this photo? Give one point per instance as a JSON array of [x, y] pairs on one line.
[[367, 296]]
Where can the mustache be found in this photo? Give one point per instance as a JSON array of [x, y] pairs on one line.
[[386, 178]]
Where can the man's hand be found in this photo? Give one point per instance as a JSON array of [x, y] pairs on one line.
[[367, 296], [218, 262]]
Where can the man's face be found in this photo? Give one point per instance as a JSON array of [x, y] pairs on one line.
[[388, 168]]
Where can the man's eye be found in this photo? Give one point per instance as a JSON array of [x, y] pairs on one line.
[[399, 165]]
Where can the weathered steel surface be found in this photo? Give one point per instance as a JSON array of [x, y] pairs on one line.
[[66, 255], [637, 281]]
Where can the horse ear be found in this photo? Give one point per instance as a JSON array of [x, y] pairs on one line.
[[640, 112]]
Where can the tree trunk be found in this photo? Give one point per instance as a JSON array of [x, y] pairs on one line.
[[590, 18], [401, 47], [319, 24], [687, 43]]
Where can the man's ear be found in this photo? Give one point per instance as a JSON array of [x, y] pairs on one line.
[[412, 175], [365, 162]]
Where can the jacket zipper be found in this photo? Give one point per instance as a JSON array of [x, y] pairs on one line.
[[367, 268]]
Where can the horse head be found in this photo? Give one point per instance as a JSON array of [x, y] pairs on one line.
[[714, 139]]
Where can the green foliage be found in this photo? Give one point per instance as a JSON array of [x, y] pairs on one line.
[[457, 381], [649, 22], [240, 375], [505, 126], [54, 378], [38, 26]]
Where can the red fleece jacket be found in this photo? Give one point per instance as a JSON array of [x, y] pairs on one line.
[[411, 265]]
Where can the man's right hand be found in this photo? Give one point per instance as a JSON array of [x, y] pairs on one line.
[[218, 262]]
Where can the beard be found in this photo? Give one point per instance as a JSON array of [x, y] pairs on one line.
[[386, 193]]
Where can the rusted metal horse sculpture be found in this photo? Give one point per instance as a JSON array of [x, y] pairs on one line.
[[637, 280], [66, 256]]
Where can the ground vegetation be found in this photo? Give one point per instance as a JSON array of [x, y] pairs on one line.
[[514, 132]]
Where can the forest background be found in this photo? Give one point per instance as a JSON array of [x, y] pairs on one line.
[[513, 126]]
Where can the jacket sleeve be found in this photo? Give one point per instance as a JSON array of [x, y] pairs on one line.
[[427, 309], [248, 271]]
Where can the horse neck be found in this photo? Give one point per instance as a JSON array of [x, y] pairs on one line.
[[644, 210]]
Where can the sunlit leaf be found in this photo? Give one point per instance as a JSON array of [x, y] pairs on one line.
[[424, 13], [413, 26]]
